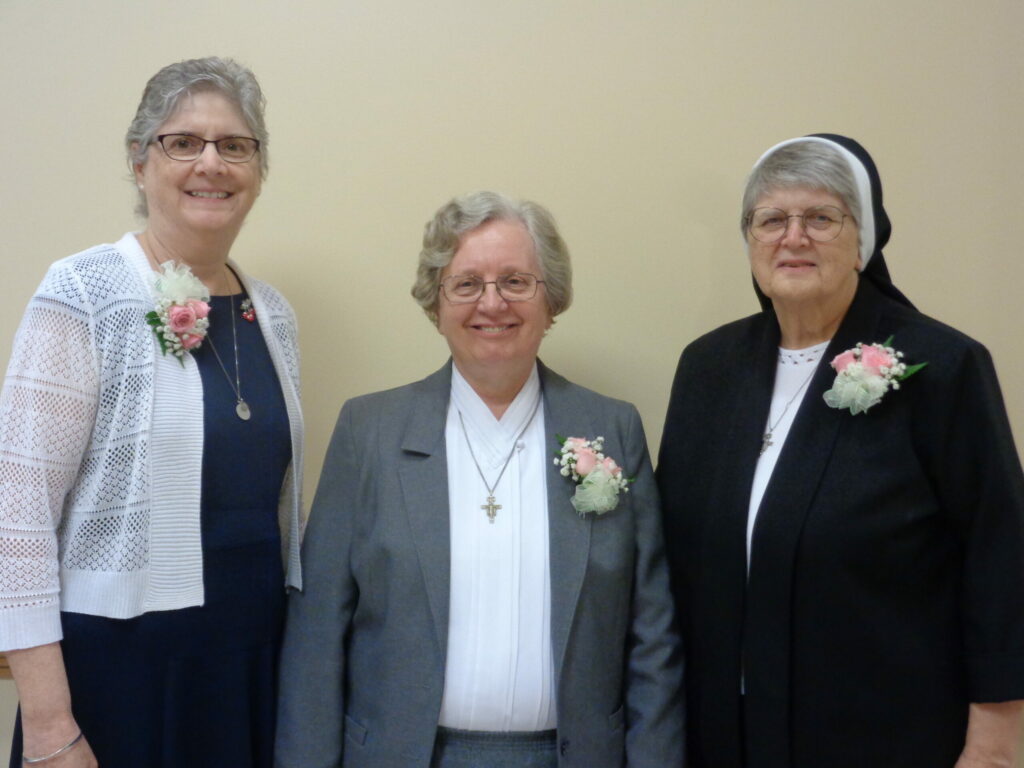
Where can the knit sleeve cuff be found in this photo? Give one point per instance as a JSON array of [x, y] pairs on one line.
[[29, 626]]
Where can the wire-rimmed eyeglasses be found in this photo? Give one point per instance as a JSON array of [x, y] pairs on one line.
[[185, 146], [467, 289], [821, 223]]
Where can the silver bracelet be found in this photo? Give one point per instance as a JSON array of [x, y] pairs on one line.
[[61, 751]]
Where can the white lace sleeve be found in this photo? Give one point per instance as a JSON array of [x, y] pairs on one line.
[[47, 411]]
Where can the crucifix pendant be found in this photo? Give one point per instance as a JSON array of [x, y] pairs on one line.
[[765, 442], [491, 508]]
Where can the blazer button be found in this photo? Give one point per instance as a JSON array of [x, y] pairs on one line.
[[563, 748]]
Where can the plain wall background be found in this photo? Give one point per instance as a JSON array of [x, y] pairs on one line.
[[634, 121]]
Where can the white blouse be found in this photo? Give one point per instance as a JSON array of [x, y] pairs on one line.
[[793, 374], [499, 674]]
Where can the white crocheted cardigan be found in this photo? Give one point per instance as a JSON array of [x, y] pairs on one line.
[[101, 446]]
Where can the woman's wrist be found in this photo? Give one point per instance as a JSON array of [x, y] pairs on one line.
[[47, 722], [27, 759], [43, 735], [993, 734]]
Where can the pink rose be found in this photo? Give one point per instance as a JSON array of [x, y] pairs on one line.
[[843, 360], [613, 469], [189, 340], [875, 358], [201, 308], [181, 319], [586, 460]]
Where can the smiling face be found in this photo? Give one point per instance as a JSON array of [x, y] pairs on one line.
[[205, 195], [800, 272], [493, 339]]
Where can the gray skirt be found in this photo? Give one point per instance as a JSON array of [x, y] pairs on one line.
[[485, 749]]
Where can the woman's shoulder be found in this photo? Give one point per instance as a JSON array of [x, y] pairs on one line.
[[384, 399], [96, 276], [396, 403], [922, 338], [555, 384], [712, 351], [98, 256], [729, 333], [387, 416]]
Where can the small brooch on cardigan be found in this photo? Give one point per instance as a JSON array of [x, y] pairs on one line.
[[248, 313], [598, 478], [865, 373], [179, 320]]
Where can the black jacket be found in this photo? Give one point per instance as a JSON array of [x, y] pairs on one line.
[[886, 588]]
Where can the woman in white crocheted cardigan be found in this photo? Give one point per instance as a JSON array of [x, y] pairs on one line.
[[151, 438]]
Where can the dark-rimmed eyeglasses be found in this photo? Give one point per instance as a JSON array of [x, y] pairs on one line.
[[467, 289], [821, 223], [185, 146]]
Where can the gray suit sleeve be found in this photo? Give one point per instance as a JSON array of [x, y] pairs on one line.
[[311, 703], [654, 666]]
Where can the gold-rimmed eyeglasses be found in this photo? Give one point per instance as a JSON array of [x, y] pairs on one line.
[[185, 146], [467, 289], [821, 223]]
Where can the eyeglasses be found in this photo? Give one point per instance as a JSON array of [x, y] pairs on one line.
[[821, 223], [185, 146], [467, 289]]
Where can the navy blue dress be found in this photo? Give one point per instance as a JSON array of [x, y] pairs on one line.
[[196, 687]]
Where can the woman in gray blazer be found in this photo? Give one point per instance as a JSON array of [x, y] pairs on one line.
[[485, 582]]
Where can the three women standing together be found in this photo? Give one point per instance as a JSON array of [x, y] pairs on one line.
[[485, 577]]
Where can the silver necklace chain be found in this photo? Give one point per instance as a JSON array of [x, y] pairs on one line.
[[241, 407], [766, 438], [491, 508]]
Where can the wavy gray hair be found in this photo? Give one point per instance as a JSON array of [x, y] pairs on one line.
[[165, 90], [810, 164], [442, 235]]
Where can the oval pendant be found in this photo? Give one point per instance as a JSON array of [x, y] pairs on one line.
[[242, 409]]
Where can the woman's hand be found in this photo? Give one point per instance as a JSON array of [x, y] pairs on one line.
[[46, 720], [993, 735]]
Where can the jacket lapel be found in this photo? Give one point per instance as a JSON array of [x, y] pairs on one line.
[[723, 566], [424, 477], [569, 533], [780, 521]]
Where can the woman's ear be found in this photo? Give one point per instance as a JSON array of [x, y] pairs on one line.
[[136, 167]]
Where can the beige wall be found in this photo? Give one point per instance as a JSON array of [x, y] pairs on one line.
[[635, 121]]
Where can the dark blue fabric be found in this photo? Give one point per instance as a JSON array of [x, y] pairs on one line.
[[196, 687]]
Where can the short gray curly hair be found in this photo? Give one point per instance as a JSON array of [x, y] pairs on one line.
[[810, 164], [165, 90], [442, 235]]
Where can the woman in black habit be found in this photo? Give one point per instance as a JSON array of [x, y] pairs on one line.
[[844, 504]]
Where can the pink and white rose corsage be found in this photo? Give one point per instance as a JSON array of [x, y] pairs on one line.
[[180, 318], [598, 478], [865, 373]]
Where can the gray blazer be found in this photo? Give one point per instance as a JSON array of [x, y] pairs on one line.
[[362, 670]]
